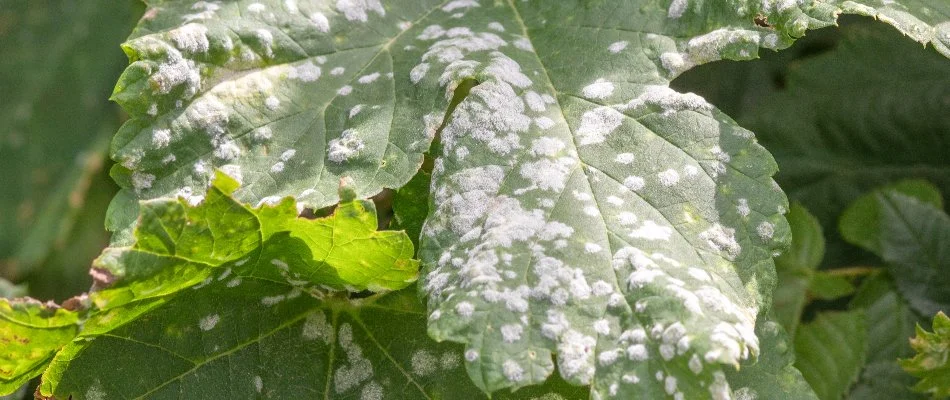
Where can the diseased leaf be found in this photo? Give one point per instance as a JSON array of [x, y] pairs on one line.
[[30, 334], [579, 206], [890, 321], [830, 352], [773, 375]]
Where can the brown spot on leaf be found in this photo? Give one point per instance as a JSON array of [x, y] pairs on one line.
[[101, 277]]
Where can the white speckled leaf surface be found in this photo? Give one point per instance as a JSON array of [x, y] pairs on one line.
[[582, 213]]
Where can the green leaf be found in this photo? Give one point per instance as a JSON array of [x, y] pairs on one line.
[[796, 266], [577, 202], [830, 352], [224, 342], [890, 321], [773, 375], [860, 224], [59, 62], [30, 334], [826, 286], [411, 205], [932, 361]]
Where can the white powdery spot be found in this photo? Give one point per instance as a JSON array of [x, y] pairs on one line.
[[600, 89], [765, 230], [546, 146], [669, 177], [306, 72], [627, 218], [634, 183], [459, 4], [272, 103], [625, 158], [345, 90], [512, 370], [695, 364], [637, 352], [316, 327], [337, 71], [677, 8], [668, 100], [508, 70], [277, 167], [592, 247], [544, 122], [161, 138], [669, 384], [423, 363], [175, 71], [262, 134], [524, 44], [548, 174], [345, 147], [234, 171], [207, 323], [651, 231], [617, 47], [226, 149], [596, 124], [142, 181], [258, 383], [575, 356], [743, 207], [356, 110], [357, 10], [266, 38], [320, 21], [511, 333], [369, 78], [358, 368], [495, 26], [191, 37], [418, 72], [602, 326], [464, 309], [471, 355], [722, 239], [256, 7], [535, 101]]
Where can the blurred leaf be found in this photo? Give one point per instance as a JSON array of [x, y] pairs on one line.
[[890, 321], [30, 334], [9, 290], [825, 286], [411, 206], [932, 362], [860, 223], [795, 267], [830, 352], [60, 59]]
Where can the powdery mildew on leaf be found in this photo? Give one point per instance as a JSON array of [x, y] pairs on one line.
[[581, 209]]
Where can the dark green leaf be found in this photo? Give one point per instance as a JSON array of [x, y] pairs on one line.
[[830, 352]]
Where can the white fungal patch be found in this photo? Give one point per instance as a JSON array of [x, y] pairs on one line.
[[512, 370], [356, 110], [600, 89], [423, 363], [191, 37], [625, 158], [175, 71], [668, 100], [743, 207], [258, 383], [337, 71], [345, 147], [369, 78], [596, 124], [142, 181], [535, 101], [256, 7], [511, 333], [266, 39], [418, 72], [358, 10], [345, 90], [575, 356], [306, 72], [547, 174], [544, 123], [637, 352], [358, 368], [372, 391], [316, 327], [161, 138], [617, 47], [602, 326], [234, 171], [634, 183], [695, 364], [669, 177], [547, 146], [677, 8], [464, 309], [765, 230], [320, 22], [459, 4], [471, 355], [523, 44], [272, 102], [652, 231], [722, 239], [591, 247], [262, 134], [208, 322]]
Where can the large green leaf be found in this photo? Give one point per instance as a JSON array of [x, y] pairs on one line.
[[932, 361], [60, 59], [830, 352], [578, 203], [30, 334], [890, 321]]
